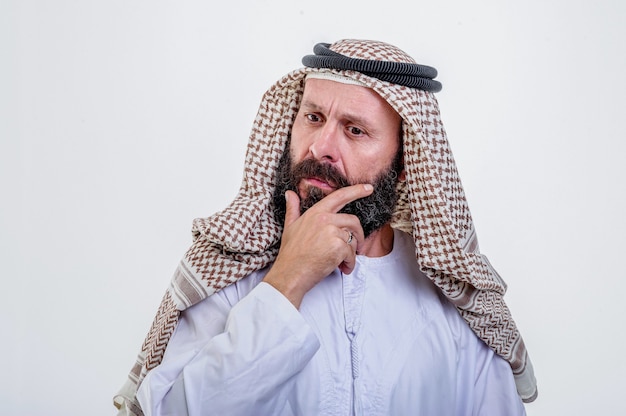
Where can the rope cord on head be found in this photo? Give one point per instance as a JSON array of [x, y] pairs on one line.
[[401, 73]]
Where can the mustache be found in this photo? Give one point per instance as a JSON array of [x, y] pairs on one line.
[[311, 168]]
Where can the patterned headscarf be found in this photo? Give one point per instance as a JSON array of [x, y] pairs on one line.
[[432, 207]]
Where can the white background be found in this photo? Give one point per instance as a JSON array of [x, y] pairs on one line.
[[121, 121]]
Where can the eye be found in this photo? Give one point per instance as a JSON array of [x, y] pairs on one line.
[[313, 118], [355, 131]]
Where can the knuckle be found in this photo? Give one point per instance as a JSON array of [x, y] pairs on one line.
[[324, 217]]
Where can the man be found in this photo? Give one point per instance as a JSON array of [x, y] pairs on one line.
[[343, 277]]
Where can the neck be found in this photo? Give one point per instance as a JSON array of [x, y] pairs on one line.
[[379, 243]]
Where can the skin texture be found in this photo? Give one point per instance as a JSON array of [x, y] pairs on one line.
[[355, 130]]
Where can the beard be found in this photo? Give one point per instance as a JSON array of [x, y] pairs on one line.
[[373, 211]]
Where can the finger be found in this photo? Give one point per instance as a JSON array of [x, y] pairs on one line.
[[350, 223], [346, 268], [336, 200], [349, 262], [353, 243], [292, 212]]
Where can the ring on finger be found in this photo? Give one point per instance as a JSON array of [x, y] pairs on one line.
[[350, 237]]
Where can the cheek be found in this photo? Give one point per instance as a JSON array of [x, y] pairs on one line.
[[298, 146], [368, 166]]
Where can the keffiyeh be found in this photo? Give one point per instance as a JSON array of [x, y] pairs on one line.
[[432, 207]]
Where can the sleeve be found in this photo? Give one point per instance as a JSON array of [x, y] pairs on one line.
[[236, 361], [494, 389], [485, 382]]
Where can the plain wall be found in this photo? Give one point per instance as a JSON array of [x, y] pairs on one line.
[[121, 121]]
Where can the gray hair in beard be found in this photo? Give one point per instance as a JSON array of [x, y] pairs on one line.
[[373, 211]]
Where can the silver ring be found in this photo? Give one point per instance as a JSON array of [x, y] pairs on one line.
[[350, 237]]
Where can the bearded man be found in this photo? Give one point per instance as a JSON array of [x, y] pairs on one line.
[[345, 278]]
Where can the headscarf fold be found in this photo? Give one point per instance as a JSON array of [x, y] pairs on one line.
[[432, 207]]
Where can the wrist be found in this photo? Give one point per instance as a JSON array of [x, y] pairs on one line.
[[286, 286]]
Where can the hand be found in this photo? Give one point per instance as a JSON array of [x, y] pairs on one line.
[[315, 243]]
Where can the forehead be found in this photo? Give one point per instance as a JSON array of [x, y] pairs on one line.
[[326, 95]]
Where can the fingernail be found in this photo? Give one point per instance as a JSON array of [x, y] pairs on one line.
[[368, 187]]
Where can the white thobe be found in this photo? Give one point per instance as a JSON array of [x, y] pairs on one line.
[[380, 341]]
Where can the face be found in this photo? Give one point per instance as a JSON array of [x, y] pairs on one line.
[[343, 135], [348, 127]]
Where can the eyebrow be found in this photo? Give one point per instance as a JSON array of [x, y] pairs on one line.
[[310, 105]]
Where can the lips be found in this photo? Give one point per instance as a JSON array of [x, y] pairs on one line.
[[320, 183]]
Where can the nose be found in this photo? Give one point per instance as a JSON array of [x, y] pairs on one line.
[[325, 145]]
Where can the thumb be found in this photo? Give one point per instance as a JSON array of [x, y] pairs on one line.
[[292, 207]]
